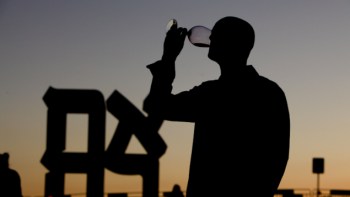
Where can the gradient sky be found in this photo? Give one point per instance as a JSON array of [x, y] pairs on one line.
[[303, 45]]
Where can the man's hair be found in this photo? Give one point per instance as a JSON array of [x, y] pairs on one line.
[[236, 30]]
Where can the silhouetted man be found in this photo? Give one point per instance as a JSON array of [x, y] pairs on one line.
[[242, 126], [10, 182]]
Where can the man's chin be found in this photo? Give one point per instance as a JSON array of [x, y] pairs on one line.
[[210, 56]]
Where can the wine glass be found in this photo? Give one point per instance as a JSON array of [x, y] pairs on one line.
[[198, 35]]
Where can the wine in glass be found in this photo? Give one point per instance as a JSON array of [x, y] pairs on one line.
[[198, 35]]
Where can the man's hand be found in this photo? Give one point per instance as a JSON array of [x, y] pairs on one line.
[[173, 43]]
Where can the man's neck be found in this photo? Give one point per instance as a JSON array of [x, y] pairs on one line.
[[231, 68]]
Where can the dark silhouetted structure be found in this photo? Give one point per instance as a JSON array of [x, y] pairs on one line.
[[242, 125], [10, 181], [176, 192], [133, 122], [61, 102]]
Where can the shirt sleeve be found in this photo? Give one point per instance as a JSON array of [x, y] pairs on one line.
[[161, 102]]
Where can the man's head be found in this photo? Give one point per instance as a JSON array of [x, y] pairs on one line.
[[231, 40], [4, 160]]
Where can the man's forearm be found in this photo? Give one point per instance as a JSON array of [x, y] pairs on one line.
[[163, 75]]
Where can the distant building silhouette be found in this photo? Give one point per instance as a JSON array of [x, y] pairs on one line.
[[176, 192]]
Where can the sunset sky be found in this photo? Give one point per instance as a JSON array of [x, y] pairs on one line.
[[303, 45]]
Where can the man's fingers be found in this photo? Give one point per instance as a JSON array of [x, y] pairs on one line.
[[183, 32], [174, 26]]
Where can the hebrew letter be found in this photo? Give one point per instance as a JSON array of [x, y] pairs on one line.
[[60, 102], [132, 121]]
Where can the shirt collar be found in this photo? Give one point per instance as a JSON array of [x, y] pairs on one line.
[[247, 72]]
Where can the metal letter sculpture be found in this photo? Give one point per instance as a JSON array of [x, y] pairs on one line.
[[60, 102]]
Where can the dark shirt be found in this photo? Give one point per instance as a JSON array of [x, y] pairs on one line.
[[241, 136]]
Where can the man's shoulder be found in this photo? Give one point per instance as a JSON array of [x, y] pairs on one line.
[[209, 82], [205, 87], [267, 82], [270, 86]]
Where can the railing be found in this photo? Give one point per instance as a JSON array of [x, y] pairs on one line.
[[279, 193], [312, 193]]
